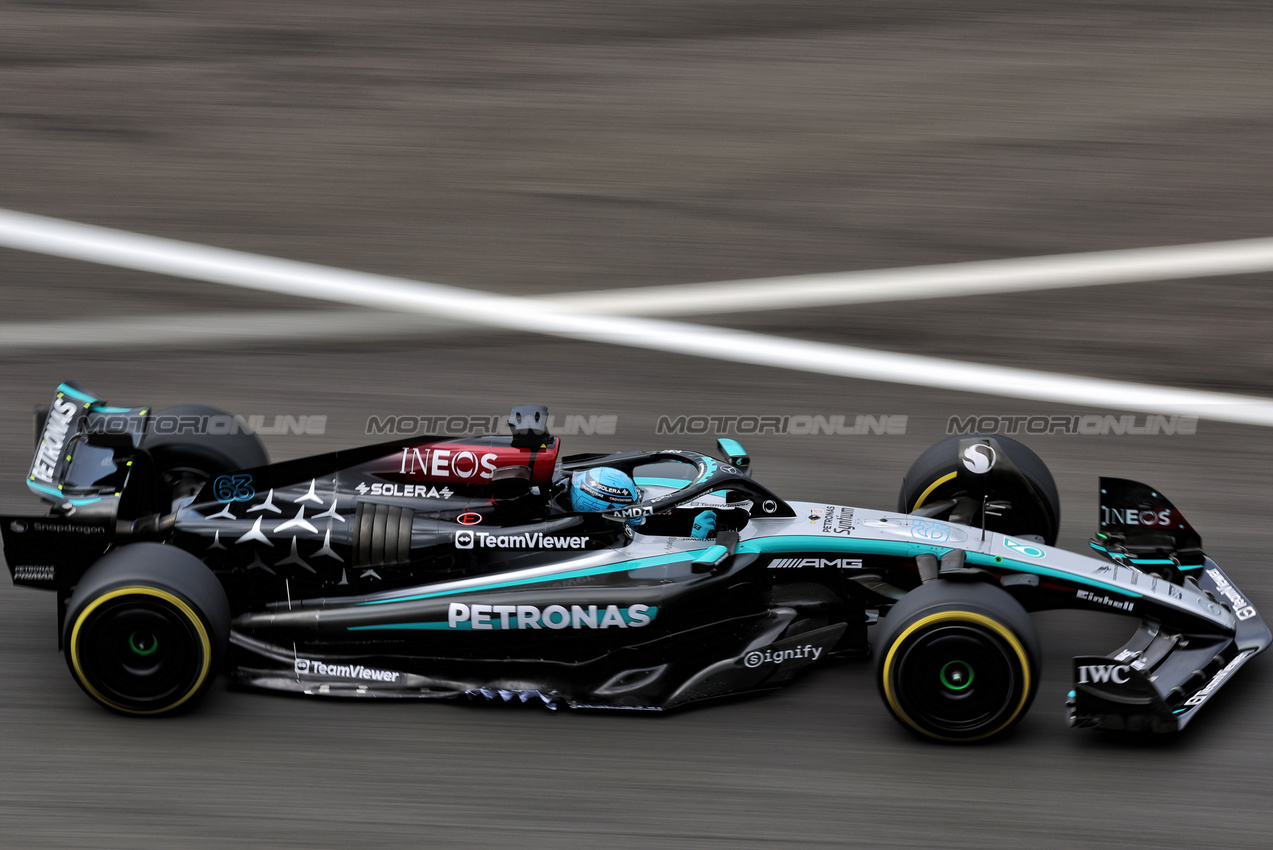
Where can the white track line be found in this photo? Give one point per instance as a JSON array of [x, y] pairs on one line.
[[234, 268], [1207, 259], [179, 329]]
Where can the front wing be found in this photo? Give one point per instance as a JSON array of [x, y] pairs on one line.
[[1159, 679]]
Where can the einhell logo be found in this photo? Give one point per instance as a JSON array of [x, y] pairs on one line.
[[1107, 601]]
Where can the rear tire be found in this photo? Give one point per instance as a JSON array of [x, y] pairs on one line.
[[958, 661], [184, 462], [146, 629]]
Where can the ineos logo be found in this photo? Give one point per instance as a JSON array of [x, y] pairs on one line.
[[979, 459]]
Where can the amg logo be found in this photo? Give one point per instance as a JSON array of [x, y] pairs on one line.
[[1099, 674], [1102, 599], [816, 563]]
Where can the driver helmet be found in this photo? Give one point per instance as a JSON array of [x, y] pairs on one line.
[[602, 488]]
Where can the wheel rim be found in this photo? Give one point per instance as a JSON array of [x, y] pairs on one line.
[[140, 650], [957, 676]]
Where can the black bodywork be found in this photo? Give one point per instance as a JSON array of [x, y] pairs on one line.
[[436, 567]]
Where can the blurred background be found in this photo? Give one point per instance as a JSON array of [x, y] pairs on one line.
[[543, 147]]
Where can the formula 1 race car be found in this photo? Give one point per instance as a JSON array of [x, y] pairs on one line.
[[432, 567]]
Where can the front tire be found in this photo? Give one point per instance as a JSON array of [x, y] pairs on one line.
[[146, 629], [939, 474], [958, 661]]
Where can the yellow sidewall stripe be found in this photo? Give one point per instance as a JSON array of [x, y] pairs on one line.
[[963, 617], [931, 487], [144, 591]]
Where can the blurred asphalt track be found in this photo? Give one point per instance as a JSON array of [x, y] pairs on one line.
[[532, 148]]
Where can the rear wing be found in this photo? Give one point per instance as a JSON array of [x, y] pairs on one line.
[[78, 463], [84, 455]]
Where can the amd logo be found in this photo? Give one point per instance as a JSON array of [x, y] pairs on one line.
[[1100, 674]]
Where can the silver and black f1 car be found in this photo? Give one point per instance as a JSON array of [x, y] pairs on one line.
[[433, 567]]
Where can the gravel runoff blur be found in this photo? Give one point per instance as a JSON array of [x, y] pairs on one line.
[[564, 146]]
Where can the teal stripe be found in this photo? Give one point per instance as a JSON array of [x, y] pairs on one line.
[[808, 543], [622, 566], [1134, 560], [712, 555], [996, 561], [78, 502], [104, 409], [467, 626], [63, 388], [903, 549], [41, 488]]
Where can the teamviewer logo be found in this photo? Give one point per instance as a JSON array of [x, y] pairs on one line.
[[302, 666], [464, 539]]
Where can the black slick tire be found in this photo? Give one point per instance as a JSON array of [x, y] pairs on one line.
[[146, 629], [958, 662]]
